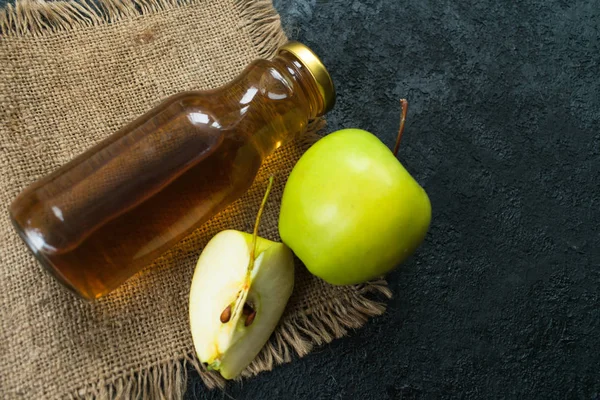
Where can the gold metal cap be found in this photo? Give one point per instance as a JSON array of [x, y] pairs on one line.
[[316, 68]]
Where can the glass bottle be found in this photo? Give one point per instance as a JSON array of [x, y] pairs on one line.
[[111, 211]]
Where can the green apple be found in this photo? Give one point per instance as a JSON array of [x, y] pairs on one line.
[[239, 291], [350, 210], [234, 311]]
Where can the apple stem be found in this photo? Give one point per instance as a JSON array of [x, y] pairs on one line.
[[404, 105], [257, 222], [240, 302]]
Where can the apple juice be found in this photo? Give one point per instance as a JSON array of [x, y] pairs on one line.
[[111, 211]]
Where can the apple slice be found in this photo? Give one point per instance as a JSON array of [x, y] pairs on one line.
[[239, 291]]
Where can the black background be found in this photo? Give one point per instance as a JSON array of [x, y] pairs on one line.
[[502, 299]]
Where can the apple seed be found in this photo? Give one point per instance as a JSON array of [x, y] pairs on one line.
[[250, 318], [226, 314]]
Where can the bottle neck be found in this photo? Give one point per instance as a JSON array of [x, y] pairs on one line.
[[303, 80]]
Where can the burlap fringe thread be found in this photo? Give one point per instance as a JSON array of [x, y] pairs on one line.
[[297, 335], [39, 17]]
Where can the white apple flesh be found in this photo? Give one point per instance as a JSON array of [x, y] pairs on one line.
[[235, 305]]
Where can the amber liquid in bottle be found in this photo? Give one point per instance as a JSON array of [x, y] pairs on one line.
[[114, 209]]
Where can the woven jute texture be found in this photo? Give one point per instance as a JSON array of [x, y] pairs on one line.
[[71, 73]]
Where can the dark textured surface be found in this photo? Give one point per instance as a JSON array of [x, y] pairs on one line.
[[502, 300]]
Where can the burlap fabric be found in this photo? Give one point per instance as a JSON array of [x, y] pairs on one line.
[[70, 74]]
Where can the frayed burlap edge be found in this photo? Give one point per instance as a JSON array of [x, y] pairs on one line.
[[39, 17], [296, 336]]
